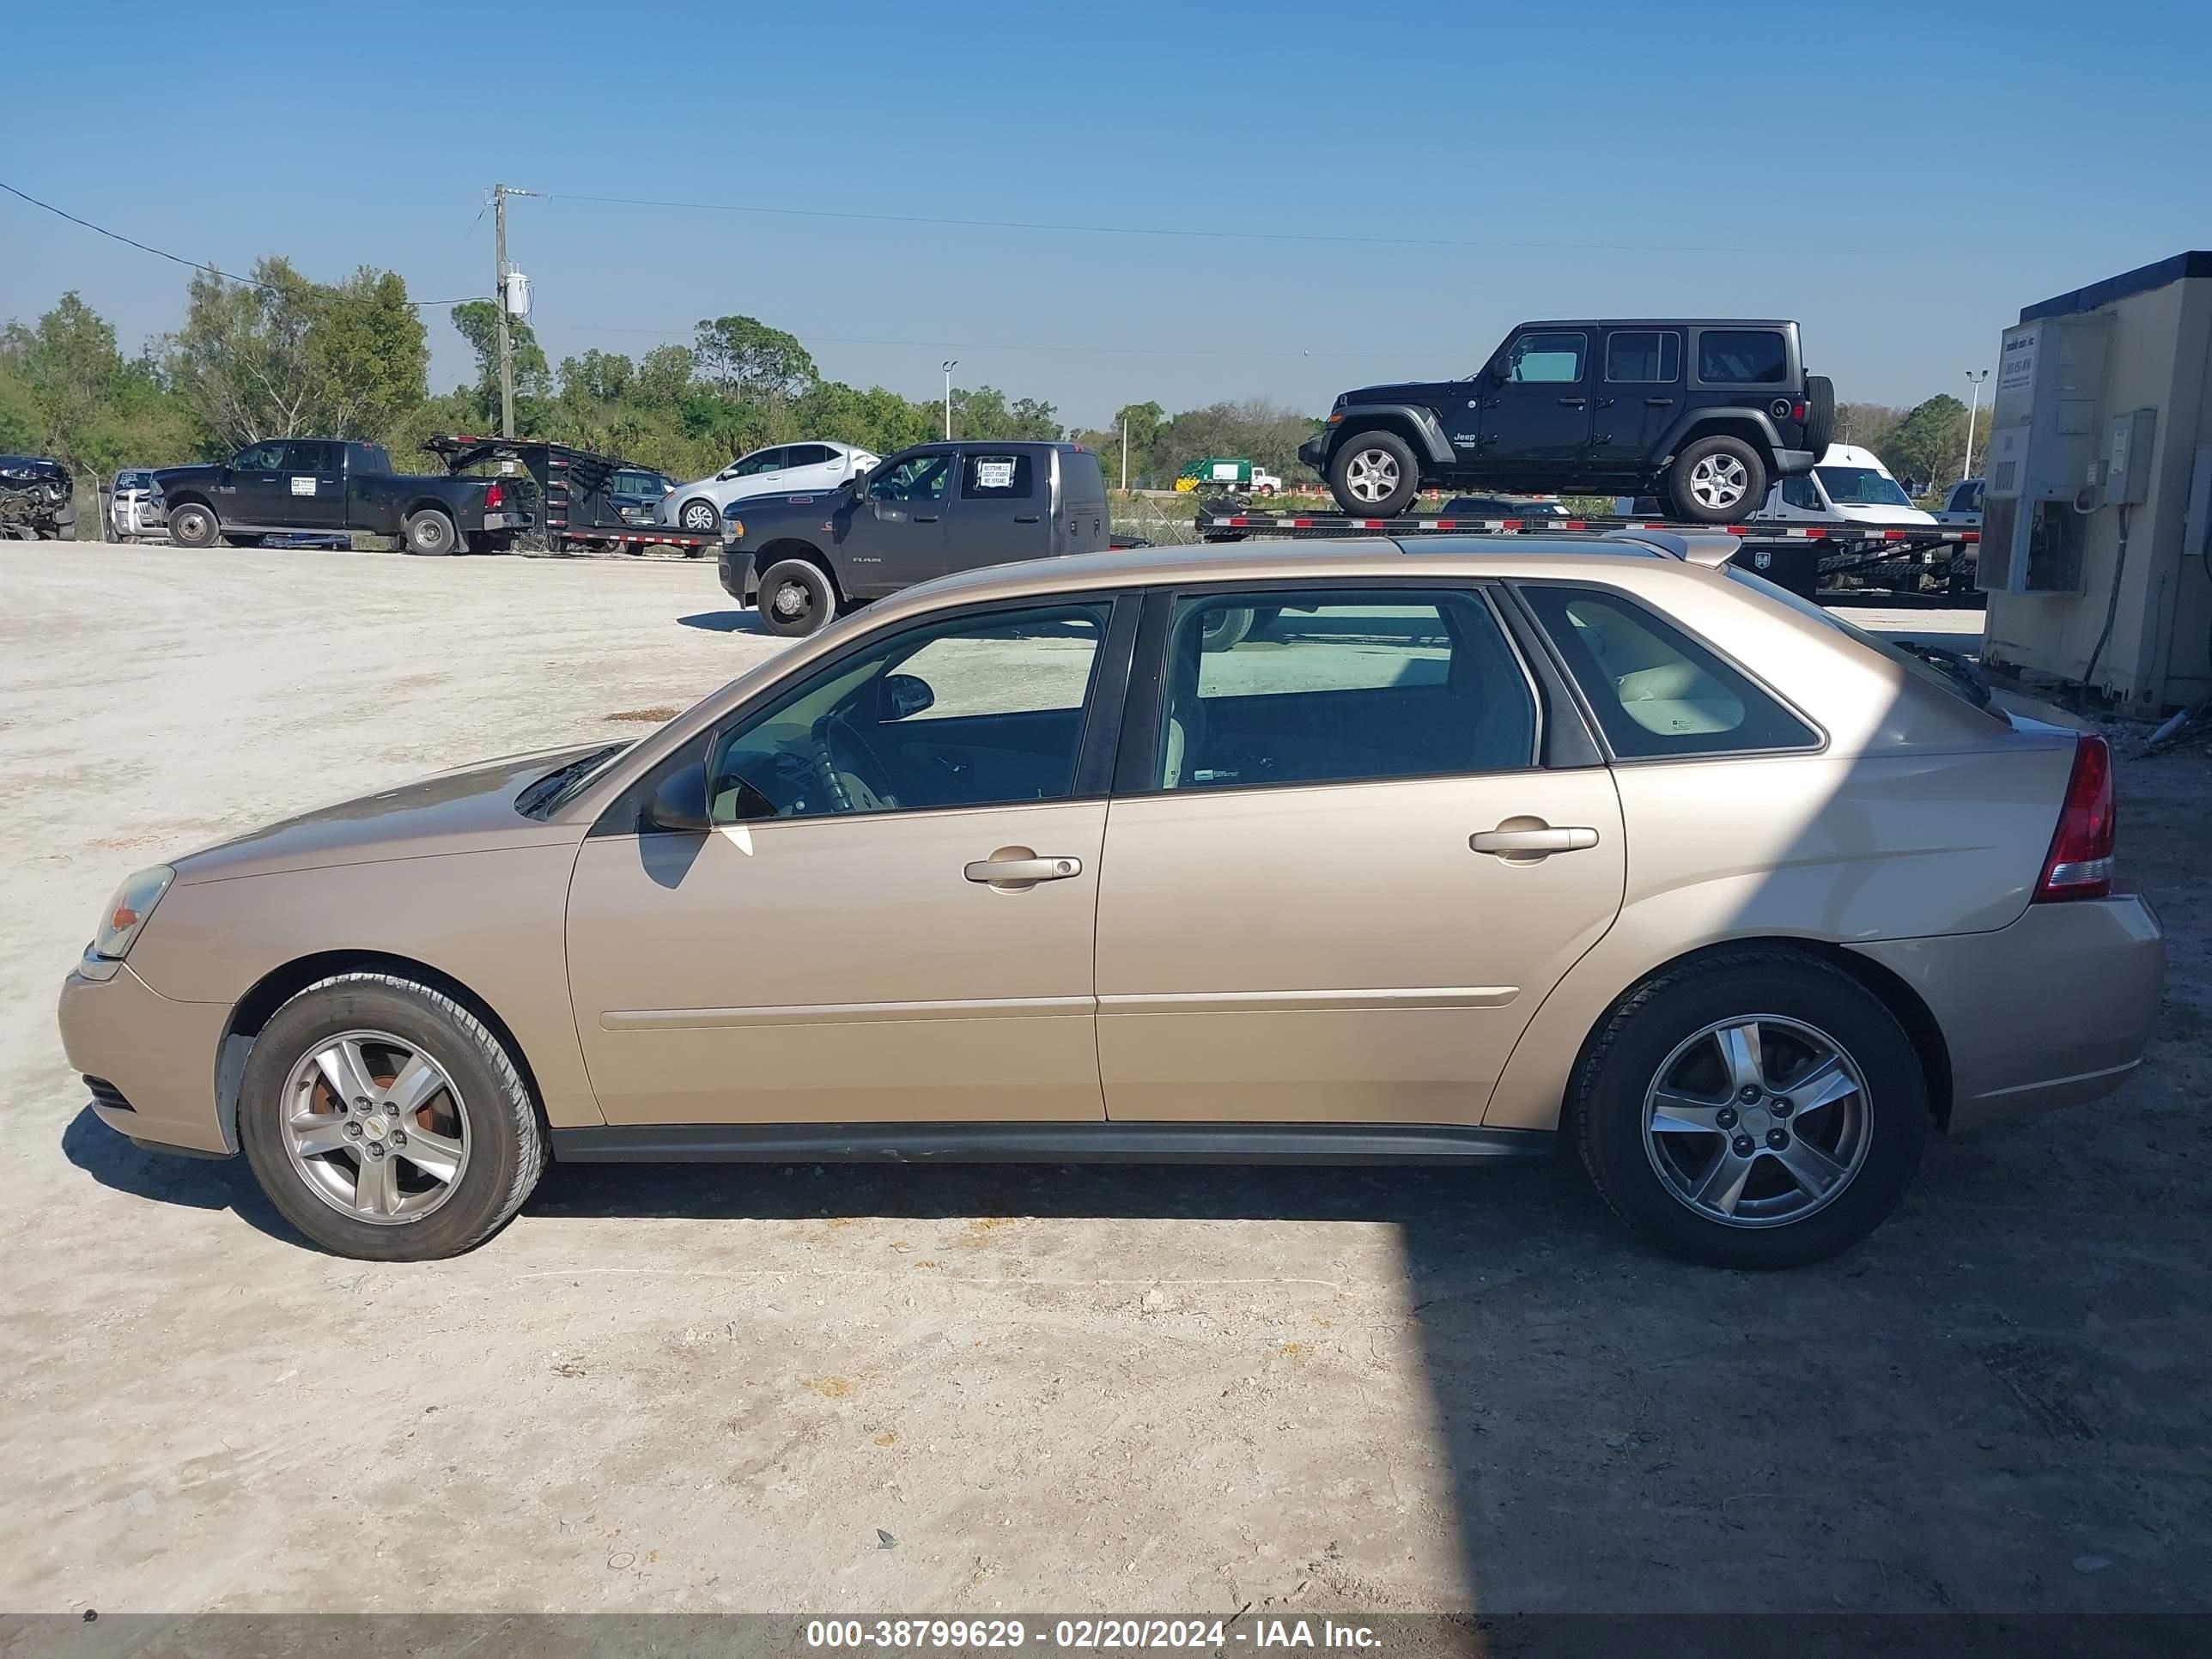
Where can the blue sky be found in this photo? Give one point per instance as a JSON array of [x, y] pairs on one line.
[[1900, 178]]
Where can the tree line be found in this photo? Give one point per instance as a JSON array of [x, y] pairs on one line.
[[278, 354]]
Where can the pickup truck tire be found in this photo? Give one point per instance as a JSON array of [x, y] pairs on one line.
[[1373, 474], [796, 597], [194, 525], [1716, 480], [231, 540], [699, 515], [429, 533]]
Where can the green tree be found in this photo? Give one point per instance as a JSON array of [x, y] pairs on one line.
[[1928, 443], [371, 355], [72, 370], [242, 362], [745, 360], [477, 320], [22, 424], [984, 412]]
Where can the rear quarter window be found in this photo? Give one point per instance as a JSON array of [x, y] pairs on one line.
[[1656, 692], [1743, 357]]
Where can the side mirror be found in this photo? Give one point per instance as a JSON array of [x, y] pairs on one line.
[[678, 806], [902, 695]]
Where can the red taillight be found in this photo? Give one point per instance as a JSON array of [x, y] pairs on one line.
[[1797, 412], [2080, 861], [494, 495]]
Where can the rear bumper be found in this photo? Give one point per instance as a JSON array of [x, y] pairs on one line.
[[159, 1055], [1788, 463], [2053, 1011]]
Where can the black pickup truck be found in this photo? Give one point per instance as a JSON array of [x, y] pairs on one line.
[[333, 487], [924, 511]]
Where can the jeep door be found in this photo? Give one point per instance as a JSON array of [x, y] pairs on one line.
[[1638, 395], [1534, 408]]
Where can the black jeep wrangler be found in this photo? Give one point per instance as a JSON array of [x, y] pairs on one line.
[[1704, 415]]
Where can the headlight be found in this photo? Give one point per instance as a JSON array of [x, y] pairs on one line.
[[736, 528], [119, 923]]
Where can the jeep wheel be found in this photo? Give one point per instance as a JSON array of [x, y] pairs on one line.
[[1819, 415], [1373, 474], [1717, 481]]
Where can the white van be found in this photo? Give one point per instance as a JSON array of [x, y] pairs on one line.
[[1850, 484]]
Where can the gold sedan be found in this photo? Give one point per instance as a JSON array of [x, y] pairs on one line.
[[1324, 853]]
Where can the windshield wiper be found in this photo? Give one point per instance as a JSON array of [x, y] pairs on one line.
[[1965, 672], [542, 796]]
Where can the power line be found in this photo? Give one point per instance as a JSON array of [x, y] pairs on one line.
[[679, 336], [1102, 230], [178, 259]]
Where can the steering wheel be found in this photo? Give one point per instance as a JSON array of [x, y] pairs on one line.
[[859, 779]]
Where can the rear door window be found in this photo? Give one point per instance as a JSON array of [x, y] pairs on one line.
[[1642, 356], [1336, 686], [1656, 692], [985, 477], [1743, 357]]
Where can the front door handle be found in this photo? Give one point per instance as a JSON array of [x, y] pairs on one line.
[[1535, 841], [1026, 517], [924, 517], [1658, 403], [1018, 867], [1572, 403]]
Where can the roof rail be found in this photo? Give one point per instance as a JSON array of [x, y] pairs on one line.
[[1705, 547]]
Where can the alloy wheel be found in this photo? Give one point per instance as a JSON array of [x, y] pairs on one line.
[[1372, 475], [1719, 482], [375, 1127], [1757, 1120]]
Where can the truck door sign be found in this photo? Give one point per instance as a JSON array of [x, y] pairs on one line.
[[303, 486]]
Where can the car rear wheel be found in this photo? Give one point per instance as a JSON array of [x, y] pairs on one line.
[[386, 1121], [1719, 480], [193, 525], [700, 516], [1373, 474], [429, 533], [1757, 1109], [796, 597]]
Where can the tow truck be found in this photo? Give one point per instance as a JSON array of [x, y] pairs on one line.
[[1832, 563]]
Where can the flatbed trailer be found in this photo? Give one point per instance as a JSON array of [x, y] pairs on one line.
[[1831, 563], [572, 508]]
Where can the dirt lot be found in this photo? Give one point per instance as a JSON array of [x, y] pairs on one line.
[[1175, 1390]]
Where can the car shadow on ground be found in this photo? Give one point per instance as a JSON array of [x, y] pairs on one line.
[[197, 1183], [724, 621]]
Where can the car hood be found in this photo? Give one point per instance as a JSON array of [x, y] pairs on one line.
[[1398, 391], [1898, 518], [784, 506], [469, 809]]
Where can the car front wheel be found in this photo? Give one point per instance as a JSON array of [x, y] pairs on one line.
[[194, 525], [1373, 474], [1756, 1109], [386, 1121], [699, 516], [796, 597]]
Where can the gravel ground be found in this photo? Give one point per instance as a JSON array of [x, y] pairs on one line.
[[810, 1390]]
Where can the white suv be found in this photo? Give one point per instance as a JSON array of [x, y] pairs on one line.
[[782, 470]]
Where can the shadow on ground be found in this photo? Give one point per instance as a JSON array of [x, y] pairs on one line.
[[724, 621]]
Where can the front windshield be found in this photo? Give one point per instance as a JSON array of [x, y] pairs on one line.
[[1861, 486]]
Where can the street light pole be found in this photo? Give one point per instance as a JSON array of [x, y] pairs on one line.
[[1974, 380], [950, 363]]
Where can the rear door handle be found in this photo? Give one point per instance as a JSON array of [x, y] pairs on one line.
[[1572, 403], [1658, 403], [1537, 843], [1026, 517], [924, 517], [1022, 869]]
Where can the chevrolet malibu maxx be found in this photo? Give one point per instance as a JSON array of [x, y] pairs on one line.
[[1327, 852]]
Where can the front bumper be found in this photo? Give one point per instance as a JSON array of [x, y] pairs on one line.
[[737, 571], [159, 1055], [2052, 1011], [1788, 463], [1313, 452]]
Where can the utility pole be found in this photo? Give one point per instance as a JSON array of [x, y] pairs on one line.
[[499, 195], [950, 363], [1966, 466], [1125, 456]]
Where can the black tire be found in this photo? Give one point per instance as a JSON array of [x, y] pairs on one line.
[[1360, 456], [796, 597], [231, 539], [507, 1146], [1820, 414], [194, 524], [1735, 466], [699, 515], [430, 533], [1630, 1055]]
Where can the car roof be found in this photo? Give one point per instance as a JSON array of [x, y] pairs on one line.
[[1852, 455], [1657, 322]]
